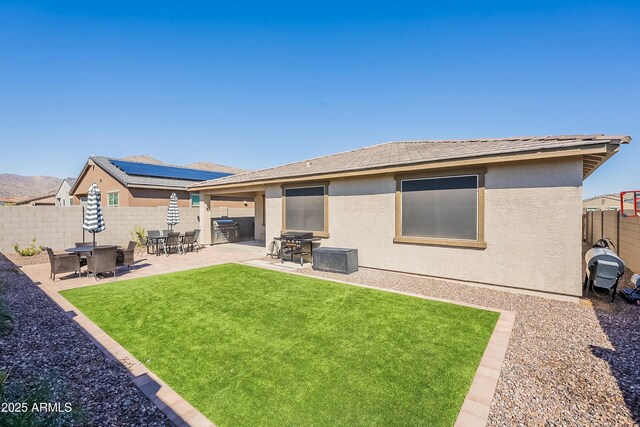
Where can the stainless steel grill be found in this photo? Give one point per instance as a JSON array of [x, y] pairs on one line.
[[224, 231], [296, 243]]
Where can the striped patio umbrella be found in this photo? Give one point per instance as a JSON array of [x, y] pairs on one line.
[[173, 213], [93, 219]]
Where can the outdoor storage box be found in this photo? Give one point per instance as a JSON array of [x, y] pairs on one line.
[[335, 260]]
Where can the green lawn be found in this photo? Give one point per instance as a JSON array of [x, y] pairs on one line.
[[248, 346]]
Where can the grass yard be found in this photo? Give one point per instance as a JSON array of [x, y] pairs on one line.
[[248, 346]]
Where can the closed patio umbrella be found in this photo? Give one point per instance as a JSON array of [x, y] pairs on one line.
[[93, 219], [173, 213]]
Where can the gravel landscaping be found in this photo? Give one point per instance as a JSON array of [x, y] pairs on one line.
[[19, 260], [567, 363], [47, 350]]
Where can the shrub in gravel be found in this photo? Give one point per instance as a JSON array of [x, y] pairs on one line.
[[30, 250], [6, 320], [26, 409]]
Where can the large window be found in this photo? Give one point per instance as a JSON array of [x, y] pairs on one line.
[[445, 210], [114, 199], [305, 208]]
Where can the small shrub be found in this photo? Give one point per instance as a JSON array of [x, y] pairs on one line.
[[30, 250], [138, 231], [31, 397], [6, 321]]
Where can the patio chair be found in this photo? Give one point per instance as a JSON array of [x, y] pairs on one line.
[[173, 242], [196, 242], [188, 242], [144, 240], [102, 261], [151, 242], [63, 263], [125, 256]]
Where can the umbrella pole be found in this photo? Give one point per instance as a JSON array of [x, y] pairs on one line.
[[94, 239]]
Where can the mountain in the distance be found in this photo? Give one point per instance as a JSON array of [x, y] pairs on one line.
[[144, 158], [208, 166], [24, 187]]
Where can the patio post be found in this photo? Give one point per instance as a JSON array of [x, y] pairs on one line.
[[205, 219]]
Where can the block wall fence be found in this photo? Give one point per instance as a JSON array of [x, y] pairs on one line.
[[60, 227], [623, 231]]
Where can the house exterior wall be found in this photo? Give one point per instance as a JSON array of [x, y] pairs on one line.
[[259, 227], [62, 196], [532, 228], [604, 203], [137, 197]]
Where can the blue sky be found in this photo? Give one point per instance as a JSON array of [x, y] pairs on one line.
[[259, 84]]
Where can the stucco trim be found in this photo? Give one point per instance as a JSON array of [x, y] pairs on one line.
[[476, 244]]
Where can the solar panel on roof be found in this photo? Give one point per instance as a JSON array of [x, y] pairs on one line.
[[159, 171]]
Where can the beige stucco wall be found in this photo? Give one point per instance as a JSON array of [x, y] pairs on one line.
[[259, 228], [532, 228]]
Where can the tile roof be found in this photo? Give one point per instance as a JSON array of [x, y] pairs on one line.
[[412, 152]]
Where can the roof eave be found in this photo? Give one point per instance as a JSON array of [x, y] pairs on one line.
[[433, 164]]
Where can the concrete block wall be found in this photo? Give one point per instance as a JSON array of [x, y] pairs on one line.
[[623, 231], [609, 226], [60, 227], [629, 247]]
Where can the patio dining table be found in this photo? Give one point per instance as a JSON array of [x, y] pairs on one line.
[[156, 240], [80, 250], [88, 248]]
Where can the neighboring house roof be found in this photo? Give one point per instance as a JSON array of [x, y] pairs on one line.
[[117, 169], [35, 199], [406, 153], [68, 180], [612, 196]]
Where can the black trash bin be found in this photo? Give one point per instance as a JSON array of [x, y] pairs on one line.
[[335, 260]]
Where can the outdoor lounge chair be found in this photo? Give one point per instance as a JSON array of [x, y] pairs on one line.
[[188, 242], [125, 256], [63, 263], [173, 243], [102, 261]]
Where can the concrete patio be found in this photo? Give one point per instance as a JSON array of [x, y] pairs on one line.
[[150, 264]]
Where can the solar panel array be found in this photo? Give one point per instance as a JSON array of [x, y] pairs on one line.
[[159, 171]]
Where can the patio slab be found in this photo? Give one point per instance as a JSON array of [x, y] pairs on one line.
[[150, 265]]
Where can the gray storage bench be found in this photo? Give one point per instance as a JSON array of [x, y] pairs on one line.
[[335, 260]]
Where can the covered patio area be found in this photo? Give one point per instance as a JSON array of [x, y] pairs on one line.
[[256, 194]]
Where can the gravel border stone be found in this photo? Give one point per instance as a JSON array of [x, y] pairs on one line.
[[566, 364], [46, 346]]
